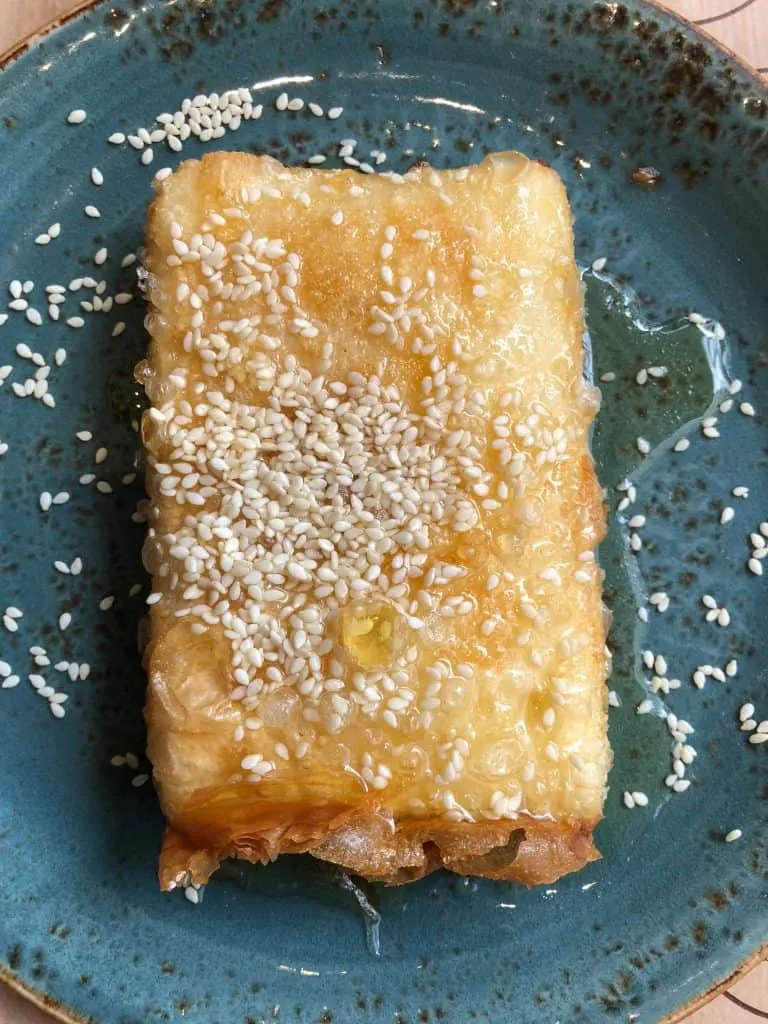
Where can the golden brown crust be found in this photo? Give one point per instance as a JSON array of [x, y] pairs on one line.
[[526, 695], [368, 844]]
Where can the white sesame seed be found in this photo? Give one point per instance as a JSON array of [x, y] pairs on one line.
[[636, 522], [64, 620], [76, 117], [644, 707], [735, 387], [92, 211], [727, 514], [682, 445], [740, 492], [45, 500], [101, 256], [708, 601], [747, 409], [116, 138], [732, 668], [755, 566], [335, 113], [106, 603], [97, 178], [139, 780], [733, 835], [147, 157], [599, 264], [75, 321], [608, 377], [643, 446]]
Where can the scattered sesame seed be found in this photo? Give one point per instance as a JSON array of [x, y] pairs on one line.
[[64, 620], [335, 113], [97, 178], [608, 377], [727, 514], [643, 446], [733, 835], [76, 117], [139, 780], [740, 492], [92, 211], [598, 265], [735, 387], [747, 409], [106, 603], [116, 138], [755, 566], [45, 500]]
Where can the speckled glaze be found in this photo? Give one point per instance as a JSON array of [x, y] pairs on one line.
[[597, 90]]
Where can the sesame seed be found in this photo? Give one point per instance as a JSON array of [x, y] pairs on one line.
[[139, 780], [734, 387], [64, 620], [76, 117], [598, 265], [643, 446], [45, 500], [727, 514], [101, 257], [732, 668], [733, 835], [106, 603], [755, 566], [746, 711], [116, 138], [747, 409], [147, 157], [608, 377], [723, 617], [335, 113], [740, 492], [644, 707], [282, 101], [92, 211], [97, 178]]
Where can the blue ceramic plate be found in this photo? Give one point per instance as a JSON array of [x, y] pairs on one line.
[[663, 142]]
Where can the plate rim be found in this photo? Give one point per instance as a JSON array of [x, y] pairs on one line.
[[57, 1009]]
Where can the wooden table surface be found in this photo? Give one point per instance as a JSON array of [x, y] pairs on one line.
[[743, 27]]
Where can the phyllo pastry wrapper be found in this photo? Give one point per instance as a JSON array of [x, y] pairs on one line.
[[377, 630]]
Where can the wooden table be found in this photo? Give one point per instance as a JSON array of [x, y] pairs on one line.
[[743, 27]]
